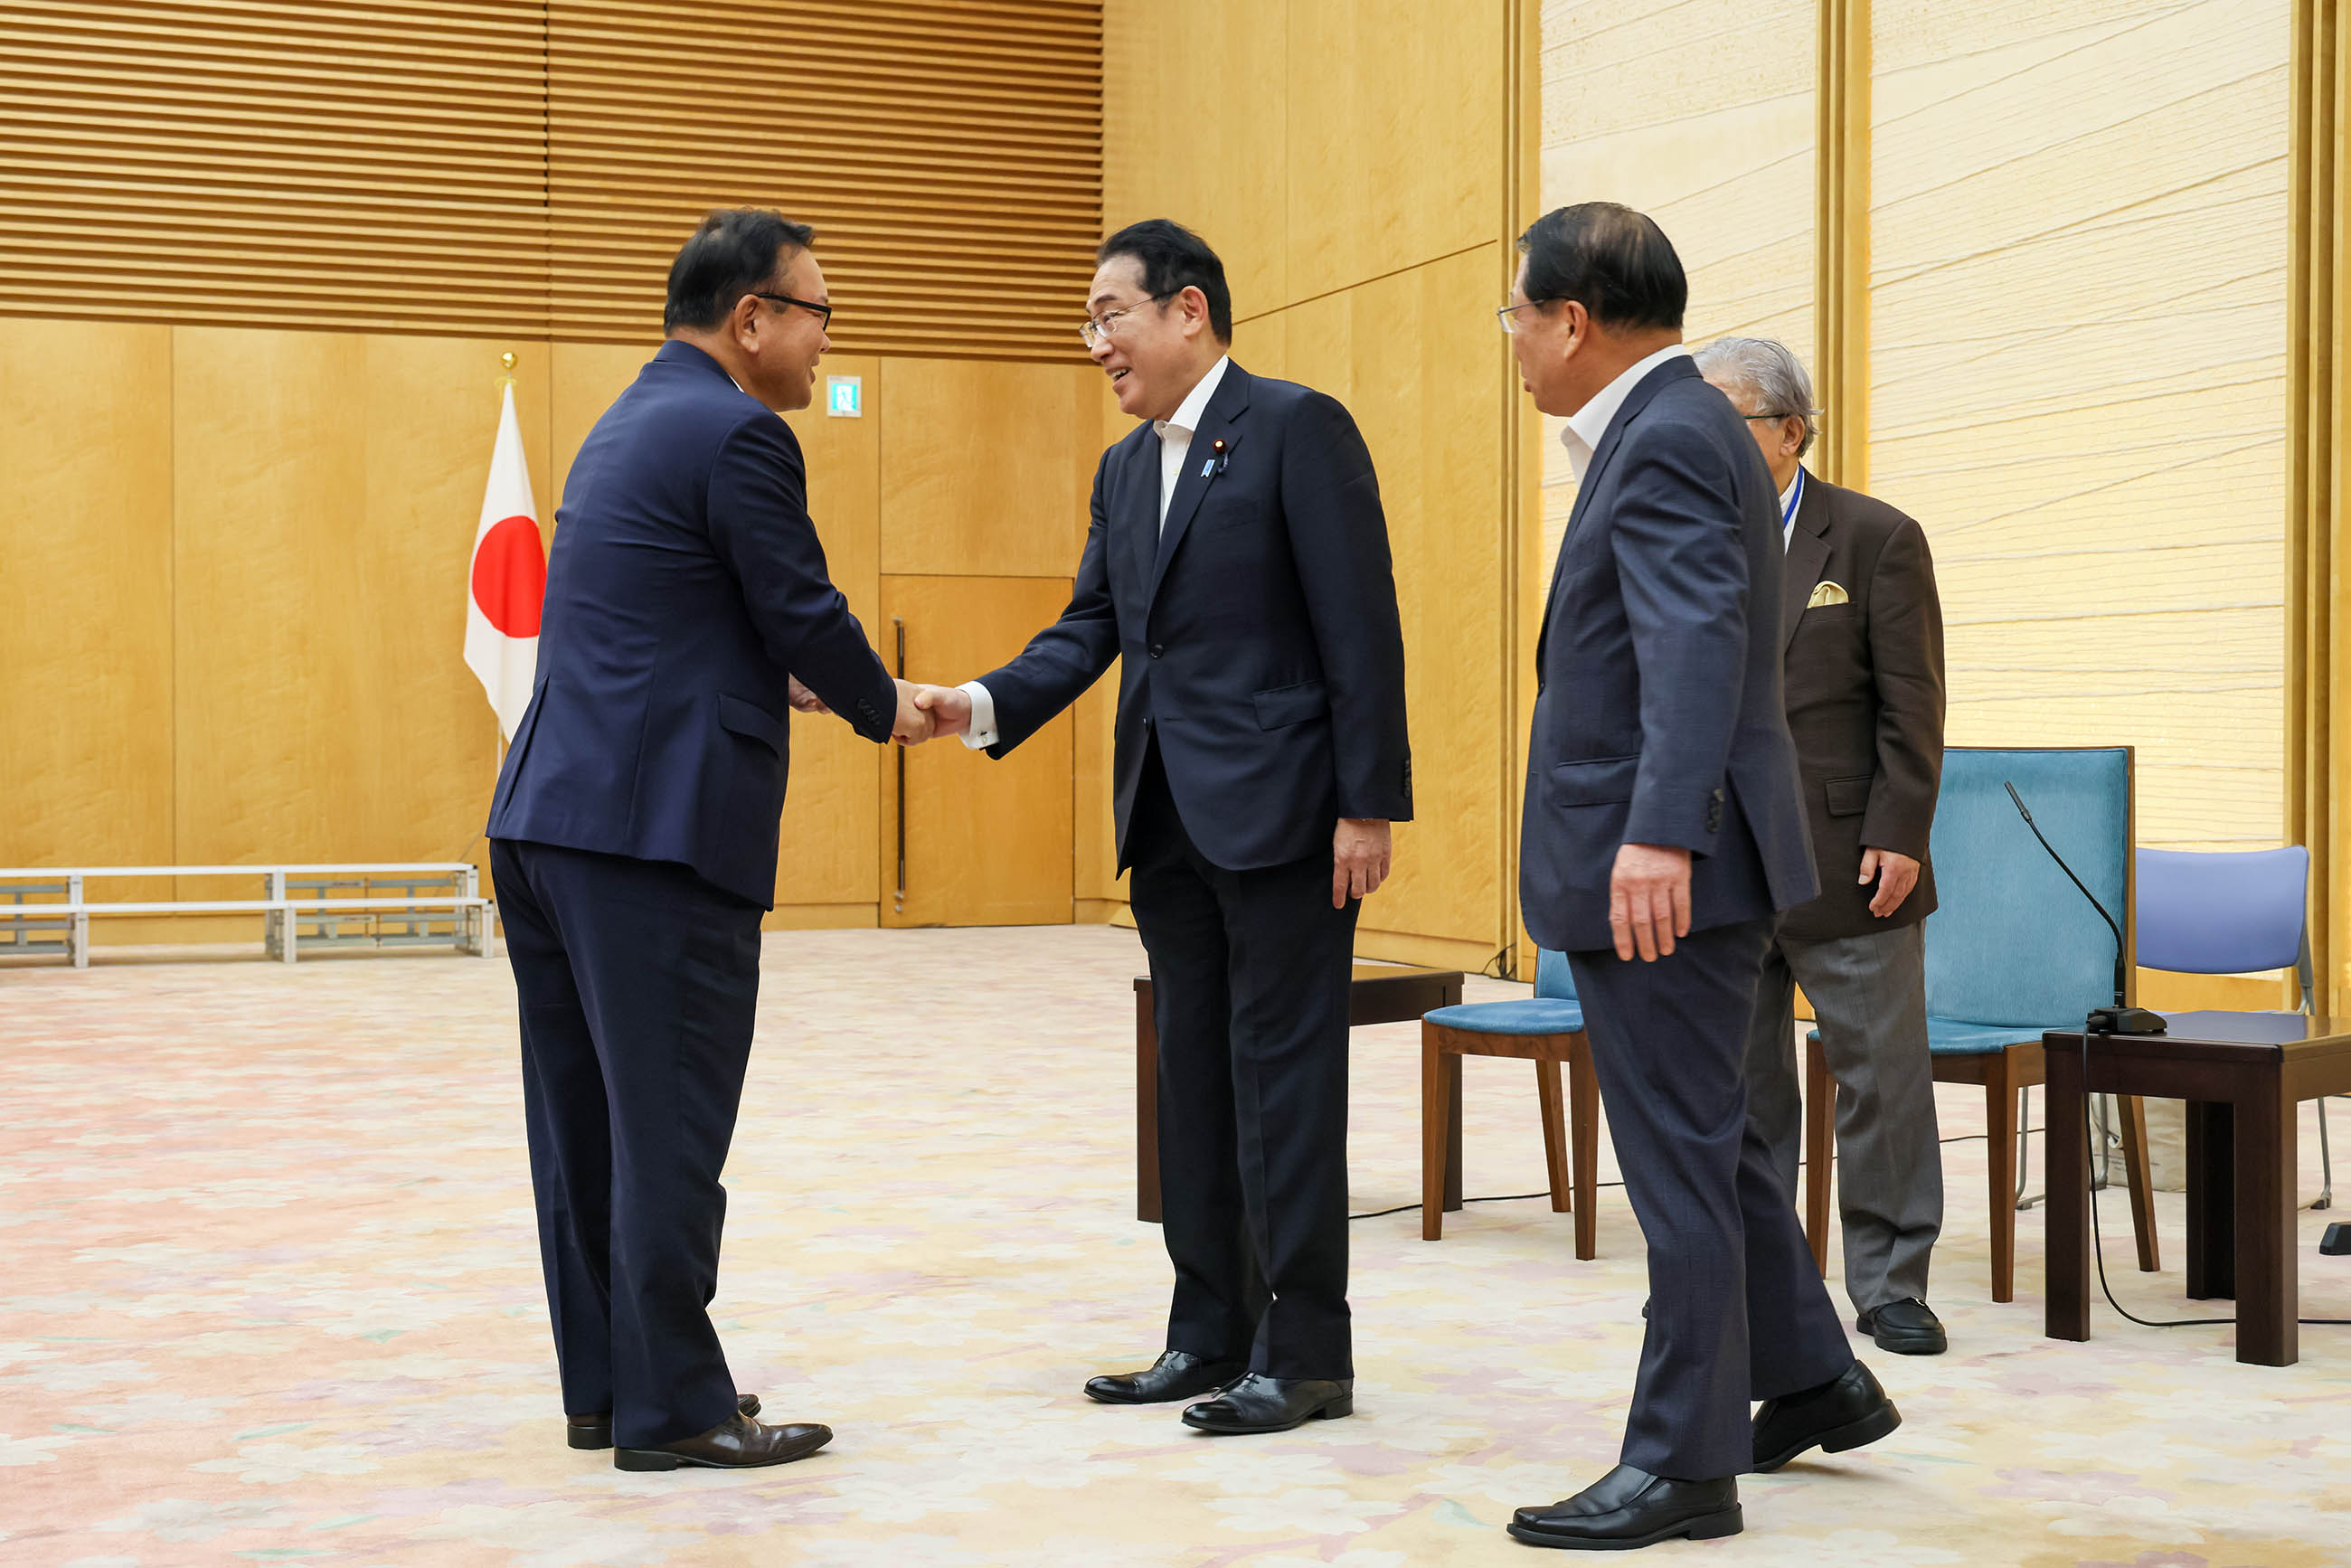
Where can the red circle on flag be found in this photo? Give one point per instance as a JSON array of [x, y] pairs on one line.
[[510, 576]]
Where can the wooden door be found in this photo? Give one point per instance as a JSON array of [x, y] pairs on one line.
[[966, 840]]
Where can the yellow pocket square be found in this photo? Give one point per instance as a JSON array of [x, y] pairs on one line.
[[1827, 593]]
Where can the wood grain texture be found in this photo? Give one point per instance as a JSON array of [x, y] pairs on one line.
[[521, 165], [988, 842], [988, 467], [85, 731], [2077, 381], [1418, 371], [1702, 115]]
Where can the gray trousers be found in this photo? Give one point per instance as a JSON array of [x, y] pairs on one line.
[[1869, 996]]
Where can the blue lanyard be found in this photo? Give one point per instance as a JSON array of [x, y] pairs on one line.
[[1795, 499]]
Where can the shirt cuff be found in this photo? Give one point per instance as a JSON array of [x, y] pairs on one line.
[[980, 734]]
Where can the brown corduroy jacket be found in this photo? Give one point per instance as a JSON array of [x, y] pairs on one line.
[[1864, 692]]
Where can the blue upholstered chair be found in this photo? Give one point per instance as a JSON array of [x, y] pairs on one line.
[[2012, 948], [1547, 1029], [2230, 913]]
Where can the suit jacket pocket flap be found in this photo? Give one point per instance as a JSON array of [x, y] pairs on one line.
[[1849, 796], [754, 722], [1594, 782], [1291, 704]]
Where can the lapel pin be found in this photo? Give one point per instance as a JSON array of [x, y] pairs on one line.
[[1221, 457]]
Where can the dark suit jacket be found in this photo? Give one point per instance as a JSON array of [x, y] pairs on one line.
[[1658, 717], [1864, 685], [1258, 632], [684, 581]]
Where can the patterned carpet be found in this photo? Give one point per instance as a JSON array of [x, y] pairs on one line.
[[271, 1292]]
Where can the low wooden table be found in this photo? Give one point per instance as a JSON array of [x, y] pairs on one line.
[[2242, 1075], [1383, 993]]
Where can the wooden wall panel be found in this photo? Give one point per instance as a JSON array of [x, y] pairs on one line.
[[1195, 128], [584, 379], [86, 596], [987, 468], [1395, 137], [326, 491], [1417, 371], [2104, 487]]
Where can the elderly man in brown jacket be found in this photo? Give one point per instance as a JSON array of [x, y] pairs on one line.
[[1864, 677]]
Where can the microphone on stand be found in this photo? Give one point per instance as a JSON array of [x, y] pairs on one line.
[[2120, 1018]]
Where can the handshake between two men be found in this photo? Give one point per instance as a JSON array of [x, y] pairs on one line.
[[924, 713]]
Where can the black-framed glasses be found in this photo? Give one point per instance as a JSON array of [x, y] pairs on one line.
[[1096, 328], [824, 312], [1776, 418]]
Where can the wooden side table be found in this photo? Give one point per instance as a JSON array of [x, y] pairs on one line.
[[2242, 1075], [1382, 993]]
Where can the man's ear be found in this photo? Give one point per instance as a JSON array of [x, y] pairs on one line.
[[1195, 306], [746, 322]]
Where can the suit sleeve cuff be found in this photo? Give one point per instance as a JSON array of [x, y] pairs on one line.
[[980, 734]]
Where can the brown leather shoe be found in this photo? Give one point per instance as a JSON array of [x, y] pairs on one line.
[[739, 1444], [596, 1431]]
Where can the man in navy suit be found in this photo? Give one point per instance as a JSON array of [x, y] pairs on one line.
[[1663, 827], [1237, 569], [633, 832]]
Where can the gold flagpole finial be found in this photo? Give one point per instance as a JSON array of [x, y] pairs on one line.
[[506, 364]]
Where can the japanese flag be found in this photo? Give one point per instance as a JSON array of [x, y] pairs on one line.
[[507, 582]]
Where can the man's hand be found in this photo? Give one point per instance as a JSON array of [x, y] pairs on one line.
[[913, 725], [1648, 899], [1896, 875], [949, 707], [802, 699], [1360, 853]]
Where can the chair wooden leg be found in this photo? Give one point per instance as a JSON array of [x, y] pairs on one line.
[[2132, 1111], [1554, 1121], [1435, 1108], [1999, 1130], [1820, 1151], [1583, 1147]]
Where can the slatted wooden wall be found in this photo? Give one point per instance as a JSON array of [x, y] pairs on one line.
[[530, 166]]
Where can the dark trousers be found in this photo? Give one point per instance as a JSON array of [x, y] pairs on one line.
[[637, 982], [1737, 1310], [1250, 970]]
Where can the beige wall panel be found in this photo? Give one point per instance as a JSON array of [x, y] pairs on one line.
[[986, 467], [1195, 129], [2094, 445], [1394, 137], [86, 596], [1700, 115], [1418, 370], [328, 488], [988, 842], [832, 812]]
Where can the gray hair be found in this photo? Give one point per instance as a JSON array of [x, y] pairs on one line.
[[1769, 372]]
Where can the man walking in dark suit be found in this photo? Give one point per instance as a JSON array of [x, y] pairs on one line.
[[633, 832], [1238, 567], [1662, 830], [1863, 630]]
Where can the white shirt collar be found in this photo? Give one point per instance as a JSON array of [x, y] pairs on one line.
[[1588, 425], [1186, 417], [1790, 499]]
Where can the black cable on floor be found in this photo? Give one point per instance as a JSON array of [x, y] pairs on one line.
[[1505, 1197]]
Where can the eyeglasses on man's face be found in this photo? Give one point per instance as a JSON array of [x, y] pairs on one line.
[[1508, 314], [1095, 329], [824, 312]]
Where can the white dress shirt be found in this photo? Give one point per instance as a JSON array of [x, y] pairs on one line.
[[1790, 499], [1175, 444], [1587, 424]]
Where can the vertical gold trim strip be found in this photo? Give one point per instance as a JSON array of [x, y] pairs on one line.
[[1522, 437], [1841, 242]]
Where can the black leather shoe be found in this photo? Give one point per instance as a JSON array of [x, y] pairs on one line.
[[1628, 1509], [1907, 1327], [1176, 1375], [738, 1443], [1843, 1413], [1260, 1404], [596, 1431]]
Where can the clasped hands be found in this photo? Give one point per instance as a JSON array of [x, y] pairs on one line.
[[924, 712]]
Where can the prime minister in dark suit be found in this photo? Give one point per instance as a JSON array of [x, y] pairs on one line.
[[1663, 830], [1237, 570], [1863, 628], [633, 832]]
